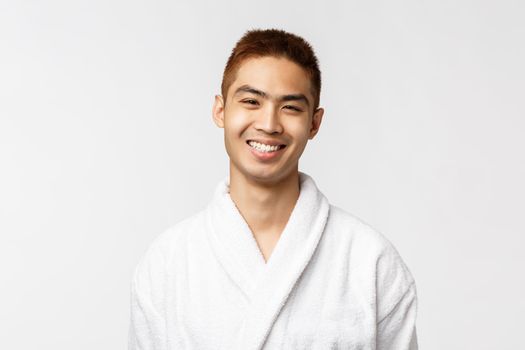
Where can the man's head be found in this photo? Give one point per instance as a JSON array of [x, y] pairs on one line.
[[276, 43], [269, 107]]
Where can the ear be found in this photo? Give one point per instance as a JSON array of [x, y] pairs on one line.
[[218, 111], [316, 122]]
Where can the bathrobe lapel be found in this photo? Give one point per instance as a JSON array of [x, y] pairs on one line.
[[266, 286]]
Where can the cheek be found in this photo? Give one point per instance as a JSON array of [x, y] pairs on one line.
[[236, 121], [298, 129], [234, 128]]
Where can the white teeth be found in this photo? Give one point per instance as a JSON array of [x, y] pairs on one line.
[[262, 147]]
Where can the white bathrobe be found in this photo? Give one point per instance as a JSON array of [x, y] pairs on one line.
[[331, 282]]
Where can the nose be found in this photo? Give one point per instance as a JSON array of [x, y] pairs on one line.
[[269, 121]]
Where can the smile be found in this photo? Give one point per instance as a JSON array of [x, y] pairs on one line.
[[265, 152], [261, 147]]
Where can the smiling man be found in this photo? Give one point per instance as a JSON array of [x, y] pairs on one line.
[[270, 263], [268, 115]]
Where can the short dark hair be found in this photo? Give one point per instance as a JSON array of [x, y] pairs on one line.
[[277, 43]]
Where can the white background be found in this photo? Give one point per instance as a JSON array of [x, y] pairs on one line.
[[106, 139]]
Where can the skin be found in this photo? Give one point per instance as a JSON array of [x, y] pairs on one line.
[[265, 192]]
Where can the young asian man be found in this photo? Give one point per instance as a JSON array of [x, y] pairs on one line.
[[270, 263]]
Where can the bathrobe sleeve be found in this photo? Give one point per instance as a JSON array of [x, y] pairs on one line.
[[397, 330], [397, 303], [147, 326]]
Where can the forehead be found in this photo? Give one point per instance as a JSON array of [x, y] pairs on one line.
[[272, 74]]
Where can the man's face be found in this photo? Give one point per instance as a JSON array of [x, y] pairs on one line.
[[271, 102]]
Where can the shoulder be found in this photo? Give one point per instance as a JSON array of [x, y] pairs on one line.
[[163, 246], [367, 246], [348, 227], [169, 239]]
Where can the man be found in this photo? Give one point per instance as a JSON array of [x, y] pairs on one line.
[[270, 264]]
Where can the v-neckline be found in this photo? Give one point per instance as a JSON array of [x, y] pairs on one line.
[[252, 235], [265, 285]]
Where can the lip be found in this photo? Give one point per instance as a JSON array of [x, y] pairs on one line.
[[267, 142], [265, 156]]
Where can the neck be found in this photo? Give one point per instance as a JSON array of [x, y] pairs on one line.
[[266, 206]]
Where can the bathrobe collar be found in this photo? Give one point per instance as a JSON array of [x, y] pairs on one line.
[[266, 286]]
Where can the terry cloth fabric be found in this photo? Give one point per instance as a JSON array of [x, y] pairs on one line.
[[331, 282]]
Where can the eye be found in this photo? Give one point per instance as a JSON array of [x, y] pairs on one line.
[[250, 101], [293, 108]]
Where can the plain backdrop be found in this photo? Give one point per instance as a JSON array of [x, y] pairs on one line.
[[106, 140]]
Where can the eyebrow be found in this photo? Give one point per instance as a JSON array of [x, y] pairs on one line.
[[290, 97]]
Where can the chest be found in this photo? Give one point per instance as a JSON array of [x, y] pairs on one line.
[[266, 243], [323, 311]]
